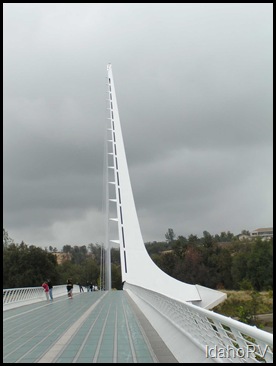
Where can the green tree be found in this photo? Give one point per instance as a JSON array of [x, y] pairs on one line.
[[170, 235], [115, 256], [191, 269], [216, 238], [239, 269], [79, 254], [156, 247], [179, 247], [207, 239], [67, 249], [193, 239], [6, 239], [25, 266], [116, 276], [245, 232], [96, 251], [167, 263], [223, 269], [260, 265], [182, 240]]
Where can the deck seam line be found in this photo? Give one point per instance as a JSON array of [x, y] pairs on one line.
[[129, 336], [96, 355], [154, 357], [86, 337], [52, 354], [115, 345]]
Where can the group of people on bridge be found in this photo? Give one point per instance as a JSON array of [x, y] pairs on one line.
[[48, 288], [89, 287]]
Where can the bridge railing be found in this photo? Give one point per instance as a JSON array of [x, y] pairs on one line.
[[14, 297], [222, 338]]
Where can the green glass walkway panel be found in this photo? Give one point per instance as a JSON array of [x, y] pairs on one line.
[[93, 327]]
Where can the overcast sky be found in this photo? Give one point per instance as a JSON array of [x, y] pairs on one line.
[[194, 91]]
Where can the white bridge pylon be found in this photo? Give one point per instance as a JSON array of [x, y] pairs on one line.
[[136, 265]]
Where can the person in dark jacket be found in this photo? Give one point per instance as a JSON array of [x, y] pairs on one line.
[[50, 289], [80, 286], [70, 288]]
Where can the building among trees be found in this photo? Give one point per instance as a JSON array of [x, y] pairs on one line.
[[264, 233]]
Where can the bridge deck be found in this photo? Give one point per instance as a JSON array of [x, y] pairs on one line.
[[93, 327]]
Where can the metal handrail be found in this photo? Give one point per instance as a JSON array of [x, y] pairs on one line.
[[22, 295], [221, 337]]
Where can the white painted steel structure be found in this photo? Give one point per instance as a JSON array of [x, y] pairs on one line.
[[174, 308], [199, 335], [132, 249]]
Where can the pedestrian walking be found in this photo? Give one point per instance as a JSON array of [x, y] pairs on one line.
[[70, 288], [46, 289], [87, 286], [50, 289], [80, 286]]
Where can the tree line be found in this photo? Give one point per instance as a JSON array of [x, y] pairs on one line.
[[220, 261], [27, 265]]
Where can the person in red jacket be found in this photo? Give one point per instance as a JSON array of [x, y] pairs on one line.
[[46, 289]]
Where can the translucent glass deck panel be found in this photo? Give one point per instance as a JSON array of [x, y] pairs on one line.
[[93, 327]]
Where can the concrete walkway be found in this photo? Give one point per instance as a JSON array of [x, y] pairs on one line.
[[93, 327]]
